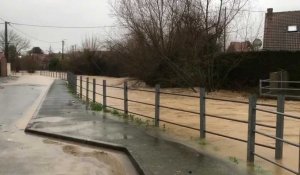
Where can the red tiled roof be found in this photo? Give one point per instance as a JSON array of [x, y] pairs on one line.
[[239, 47]]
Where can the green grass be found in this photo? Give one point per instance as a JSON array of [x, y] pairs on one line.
[[259, 170], [202, 142], [96, 106], [116, 113], [234, 160]]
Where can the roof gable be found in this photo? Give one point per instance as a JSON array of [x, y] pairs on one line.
[[276, 34]]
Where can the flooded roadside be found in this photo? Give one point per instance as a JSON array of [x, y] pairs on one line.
[[225, 148]]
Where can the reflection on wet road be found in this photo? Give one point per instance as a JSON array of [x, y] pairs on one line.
[[30, 155]]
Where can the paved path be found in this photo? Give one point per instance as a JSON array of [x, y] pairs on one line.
[[61, 113], [22, 154]]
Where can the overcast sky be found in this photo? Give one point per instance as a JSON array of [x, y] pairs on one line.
[[82, 13]]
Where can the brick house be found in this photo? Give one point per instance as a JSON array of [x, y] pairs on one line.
[[282, 31]]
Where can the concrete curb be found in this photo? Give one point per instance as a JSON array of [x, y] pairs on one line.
[[88, 142]]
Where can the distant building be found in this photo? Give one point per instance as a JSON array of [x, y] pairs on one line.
[[282, 31], [240, 47], [3, 65]]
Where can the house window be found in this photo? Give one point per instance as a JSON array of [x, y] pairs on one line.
[[292, 29]]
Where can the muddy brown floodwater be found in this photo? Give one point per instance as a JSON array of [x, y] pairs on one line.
[[215, 145]]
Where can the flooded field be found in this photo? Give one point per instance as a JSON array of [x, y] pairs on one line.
[[215, 145]]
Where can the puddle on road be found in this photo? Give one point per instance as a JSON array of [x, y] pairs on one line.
[[48, 141], [50, 119]]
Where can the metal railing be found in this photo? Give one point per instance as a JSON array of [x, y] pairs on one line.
[[269, 88], [252, 104], [55, 74]]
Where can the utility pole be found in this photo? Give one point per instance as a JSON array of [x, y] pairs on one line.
[[62, 49], [6, 41], [225, 25]]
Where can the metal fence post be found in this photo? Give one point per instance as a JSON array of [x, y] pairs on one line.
[[202, 113], [94, 90], [125, 98], [279, 127], [157, 104], [299, 156], [80, 87], [104, 94], [251, 128], [87, 92], [75, 83], [260, 87]]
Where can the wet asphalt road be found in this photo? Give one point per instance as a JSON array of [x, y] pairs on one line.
[[15, 100], [22, 154]]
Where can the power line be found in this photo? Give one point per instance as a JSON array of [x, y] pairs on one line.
[[245, 10], [32, 37], [65, 27]]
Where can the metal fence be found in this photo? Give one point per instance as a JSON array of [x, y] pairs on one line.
[[269, 88], [253, 107], [57, 74]]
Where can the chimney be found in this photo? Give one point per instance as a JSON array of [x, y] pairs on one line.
[[269, 13], [270, 10]]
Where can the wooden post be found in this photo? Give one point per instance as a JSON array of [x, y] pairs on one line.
[[279, 127], [251, 129], [157, 103], [202, 113]]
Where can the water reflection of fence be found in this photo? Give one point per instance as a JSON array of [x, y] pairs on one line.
[[269, 88], [253, 106]]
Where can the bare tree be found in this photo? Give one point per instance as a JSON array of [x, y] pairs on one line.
[[91, 43], [14, 39], [180, 36]]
